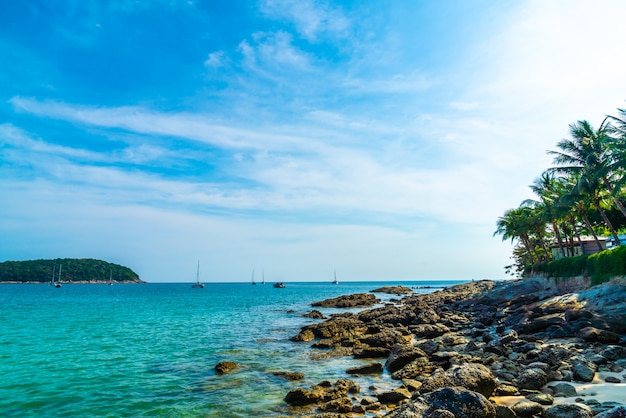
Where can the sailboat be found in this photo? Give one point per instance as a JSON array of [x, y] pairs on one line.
[[253, 282], [110, 278], [263, 279], [335, 281], [58, 282], [198, 284]]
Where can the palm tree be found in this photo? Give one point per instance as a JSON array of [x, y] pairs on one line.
[[587, 157], [514, 224]]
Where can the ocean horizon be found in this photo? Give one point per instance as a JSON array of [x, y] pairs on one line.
[[150, 349]]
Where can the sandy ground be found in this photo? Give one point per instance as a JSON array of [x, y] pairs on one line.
[[598, 389]]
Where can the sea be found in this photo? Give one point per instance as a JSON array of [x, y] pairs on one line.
[[135, 350]]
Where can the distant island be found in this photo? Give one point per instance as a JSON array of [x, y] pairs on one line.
[[73, 270]]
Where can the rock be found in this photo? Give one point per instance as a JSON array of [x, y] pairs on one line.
[[504, 412], [617, 412], [533, 379], [591, 334], [402, 355], [303, 336], [302, 397], [564, 390], [414, 369], [371, 352], [541, 398], [358, 300], [459, 401], [372, 368], [429, 330], [612, 379], [315, 314], [289, 375], [568, 411], [475, 377], [394, 290], [385, 339], [394, 396], [526, 408], [583, 370], [224, 367], [341, 405]]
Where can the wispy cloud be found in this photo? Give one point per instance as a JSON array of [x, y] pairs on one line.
[[311, 19]]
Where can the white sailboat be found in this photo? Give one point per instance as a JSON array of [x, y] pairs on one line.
[[198, 284], [335, 281], [58, 282], [263, 278], [253, 282], [110, 277]]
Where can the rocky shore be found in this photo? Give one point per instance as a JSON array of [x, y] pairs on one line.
[[527, 348]]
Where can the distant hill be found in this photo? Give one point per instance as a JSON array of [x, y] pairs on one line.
[[73, 270]]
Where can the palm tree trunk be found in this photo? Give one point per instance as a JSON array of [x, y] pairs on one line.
[[557, 232], [608, 223], [526, 241], [590, 228]]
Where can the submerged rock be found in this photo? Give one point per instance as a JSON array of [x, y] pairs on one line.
[[224, 367]]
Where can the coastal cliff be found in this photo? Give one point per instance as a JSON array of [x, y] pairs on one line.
[[485, 349], [72, 270]]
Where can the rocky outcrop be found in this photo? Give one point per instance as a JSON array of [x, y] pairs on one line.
[[471, 342], [394, 290], [358, 300]]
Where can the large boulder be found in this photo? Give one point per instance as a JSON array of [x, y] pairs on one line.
[[471, 376]]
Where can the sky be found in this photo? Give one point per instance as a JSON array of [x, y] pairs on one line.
[[379, 139]]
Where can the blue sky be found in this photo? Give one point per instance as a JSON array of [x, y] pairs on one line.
[[379, 138]]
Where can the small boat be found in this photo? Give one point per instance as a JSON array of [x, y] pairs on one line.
[[110, 278], [335, 281], [253, 282], [198, 284], [279, 285], [263, 279], [58, 282]]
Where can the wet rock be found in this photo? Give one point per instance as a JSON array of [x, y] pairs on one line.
[[303, 336], [372, 368], [416, 368], [289, 375], [224, 367], [568, 411], [371, 352], [315, 314]]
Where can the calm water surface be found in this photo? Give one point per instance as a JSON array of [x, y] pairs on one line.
[[150, 350]]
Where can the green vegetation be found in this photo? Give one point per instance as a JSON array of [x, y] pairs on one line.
[[72, 270], [600, 267], [580, 196]]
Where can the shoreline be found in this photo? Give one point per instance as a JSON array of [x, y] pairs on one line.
[[510, 346]]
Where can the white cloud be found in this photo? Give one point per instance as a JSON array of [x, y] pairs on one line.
[[310, 18], [215, 60]]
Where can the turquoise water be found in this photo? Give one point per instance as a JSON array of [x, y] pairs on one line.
[[150, 350]]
